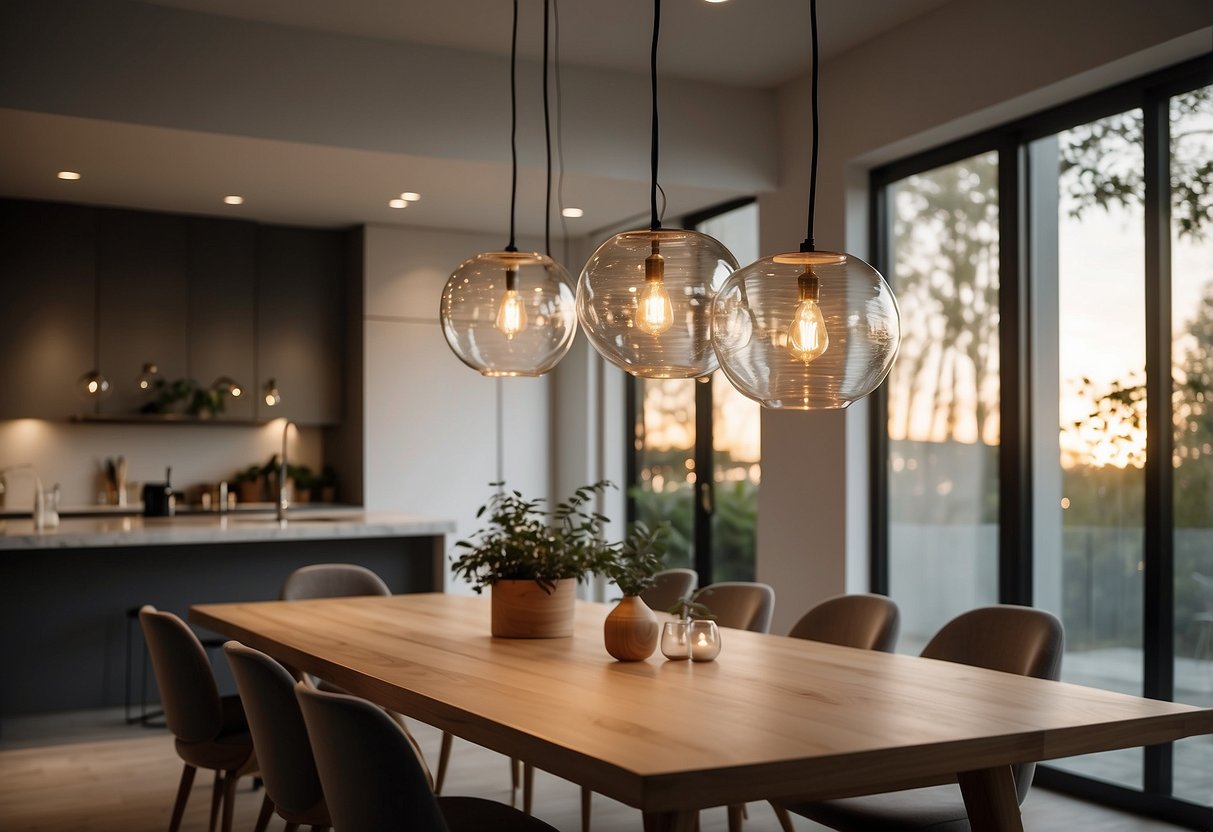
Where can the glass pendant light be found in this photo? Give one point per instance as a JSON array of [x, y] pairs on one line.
[[147, 377], [808, 329], [511, 313], [644, 297], [93, 386], [227, 386]]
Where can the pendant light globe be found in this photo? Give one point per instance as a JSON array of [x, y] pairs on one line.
[[644, 300], [509, 313], [812, 330]]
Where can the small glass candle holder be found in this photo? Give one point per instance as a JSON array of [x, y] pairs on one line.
[[675, 640], [704, 637]]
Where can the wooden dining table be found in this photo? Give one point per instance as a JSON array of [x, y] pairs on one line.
[[771, 718]]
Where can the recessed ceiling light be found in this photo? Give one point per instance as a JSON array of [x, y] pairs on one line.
[[717, 1], [397, 203], [68, 174], [572, 213], [410, 196], [234, 200]]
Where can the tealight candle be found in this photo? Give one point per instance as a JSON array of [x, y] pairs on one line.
[[705, 641], [675, 643]]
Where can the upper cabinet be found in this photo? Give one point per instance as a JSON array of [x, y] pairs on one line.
[[47, 254], [144, 302], [202, 299], [300, 328]]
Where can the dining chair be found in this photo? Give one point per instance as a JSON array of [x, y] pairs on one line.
[[373, 781], [669, 585], [864, 621], [209, 731], [743, 605], [284, 752], [1012, 639], [345, 580]]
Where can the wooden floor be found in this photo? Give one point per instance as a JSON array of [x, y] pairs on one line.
[[127, 785]]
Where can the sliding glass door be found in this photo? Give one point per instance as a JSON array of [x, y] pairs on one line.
[[1046, 436]]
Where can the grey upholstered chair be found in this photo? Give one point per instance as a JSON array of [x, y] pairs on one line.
[[743, 605], [669, 585], [332, 580], [284, 752], [1021, 640], [372, 780], [210, 731], [868, 622]]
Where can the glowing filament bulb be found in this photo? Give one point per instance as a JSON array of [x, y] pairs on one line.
[[807, 336], [511, 314], [703, 640], [655, 314]]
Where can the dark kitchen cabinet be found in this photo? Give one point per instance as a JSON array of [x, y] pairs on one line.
[[144, 302], [222, 277], [300, 322], [46, 307]]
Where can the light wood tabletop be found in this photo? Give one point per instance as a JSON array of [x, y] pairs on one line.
[[773, 717]]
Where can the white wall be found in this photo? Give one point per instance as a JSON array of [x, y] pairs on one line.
[[74, 455], [969, 65], [437, 432]]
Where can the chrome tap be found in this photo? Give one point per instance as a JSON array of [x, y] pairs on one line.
[[283, 502]]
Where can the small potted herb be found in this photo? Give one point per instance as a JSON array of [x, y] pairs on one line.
[[630, 630]]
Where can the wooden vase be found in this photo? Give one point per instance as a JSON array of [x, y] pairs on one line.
[[630, 630], [524, 609]]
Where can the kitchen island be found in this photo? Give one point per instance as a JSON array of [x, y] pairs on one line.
[[67, 639]]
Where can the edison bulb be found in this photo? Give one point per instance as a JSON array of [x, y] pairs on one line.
[[511, 313], [655, 313], [807, 336]]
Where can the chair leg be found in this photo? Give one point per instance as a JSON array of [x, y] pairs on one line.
[[587, 799], [785, 819], [736, 811], [515, 778], [216, 800], [528, 786], [183, 795], [267, 811], [229, 799], [444, 757]]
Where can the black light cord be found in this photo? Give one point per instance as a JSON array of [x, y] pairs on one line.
[[654, 217], [564, 227], [513, 126], [547, 135], [808, 244]]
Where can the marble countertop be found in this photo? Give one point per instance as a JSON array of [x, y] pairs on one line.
[[101, 532]]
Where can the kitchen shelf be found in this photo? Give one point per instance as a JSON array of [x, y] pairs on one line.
[[165, 419]]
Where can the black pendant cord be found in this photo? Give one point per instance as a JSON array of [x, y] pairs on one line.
[[513, 126], [654, 217], [808, 244], [547, 135]]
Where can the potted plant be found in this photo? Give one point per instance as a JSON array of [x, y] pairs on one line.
[[630, 630], [533, 558], [248, 484]]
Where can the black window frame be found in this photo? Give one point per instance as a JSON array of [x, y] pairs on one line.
[[1150, 93]]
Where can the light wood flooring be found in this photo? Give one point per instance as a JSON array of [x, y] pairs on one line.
[[107, 785]]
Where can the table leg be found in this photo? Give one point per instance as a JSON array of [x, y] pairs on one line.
[[670, 821], [990, 800]]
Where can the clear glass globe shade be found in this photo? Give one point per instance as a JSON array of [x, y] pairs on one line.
[[534, 330], [650, 317], [92, 385], [759, 329]]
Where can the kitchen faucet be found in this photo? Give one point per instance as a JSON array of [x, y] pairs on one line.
[[283, 502]]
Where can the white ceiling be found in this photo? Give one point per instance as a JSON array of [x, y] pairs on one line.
[[739, 43], [751, 43]]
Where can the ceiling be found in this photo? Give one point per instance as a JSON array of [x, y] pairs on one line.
[[749, 43], [738, 44]]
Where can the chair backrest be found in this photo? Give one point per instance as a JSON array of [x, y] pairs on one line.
[[669, 585], [1012, 639], [744, 605], [332, 580], [188, 691], [868, 622], [371, 777], [284, 753]]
